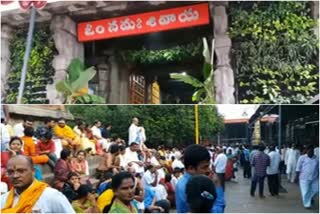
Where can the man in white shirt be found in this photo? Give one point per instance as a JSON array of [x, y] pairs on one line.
[[19, 128], [130, 158], [38, 197], [151, 178], [220, 164], [5, 136], [177, 163], [292, 156], [273, 170], [134, 130]]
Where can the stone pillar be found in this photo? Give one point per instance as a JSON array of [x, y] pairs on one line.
[[223, 75], [6, 33], [124, 84], [104, 81], [115, 84], [64, 31]]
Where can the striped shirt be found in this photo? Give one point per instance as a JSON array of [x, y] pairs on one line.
[[260, 163]]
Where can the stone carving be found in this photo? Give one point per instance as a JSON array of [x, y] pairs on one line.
[[65, 37], [104, 73], [6, 33], [224, 76]]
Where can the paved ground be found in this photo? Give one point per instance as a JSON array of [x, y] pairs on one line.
[[239, 200]]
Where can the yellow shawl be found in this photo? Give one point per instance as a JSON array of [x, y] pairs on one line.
[[27, 199], [66, 132]]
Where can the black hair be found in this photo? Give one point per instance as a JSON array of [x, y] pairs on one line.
[[48, 120], [272, 147], [2, 120], [122, 147], [114, 148], [115, 184], [262, 147], [71, 174], [173, 158], [64, 154], [133, 143], [84, 190], [80, 122], [194, 154], [201, 194], [168, 177], [28, 131], [28, 119], [96, 122], [15, 138], [47, 135]]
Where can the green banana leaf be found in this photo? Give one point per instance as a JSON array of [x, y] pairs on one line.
[[197, 95], [187, 79], [64, 87], [83, 79], [74, 69]]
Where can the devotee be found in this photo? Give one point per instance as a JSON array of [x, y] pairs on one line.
[[220, 163], [80, 164], [29, 147], [19, 128], [21, 174], [201, 194], [134, 130], [123, 188], [292, 156], [86, 201], [197, 162], [246, 162], [5, 136], [68, 138], [62, 169], [109, 162], [49, 124], [273, 171], [131, 159], [260, 162], [86, 143], [71, 187], [46, 147], [308, 173]]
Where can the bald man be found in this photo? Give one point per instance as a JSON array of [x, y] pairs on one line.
[[29, 195], [134, 131]]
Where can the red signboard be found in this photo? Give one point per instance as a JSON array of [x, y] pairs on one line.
[[182, 17]]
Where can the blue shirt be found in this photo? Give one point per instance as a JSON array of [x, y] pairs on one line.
[[148, 196], [308, 168], [181, 198], [246, 154]]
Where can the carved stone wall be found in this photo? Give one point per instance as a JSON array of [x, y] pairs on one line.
[[224, 76], [104, 84], [6, 33], [65, 38]]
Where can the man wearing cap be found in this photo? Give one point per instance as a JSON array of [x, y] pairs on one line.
[[68, 138]]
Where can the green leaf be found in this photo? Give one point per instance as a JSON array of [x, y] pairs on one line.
[[83, 79], [187, 79], [206, 51], [74, 69], [206, 70], [63, 87], [197, 95]]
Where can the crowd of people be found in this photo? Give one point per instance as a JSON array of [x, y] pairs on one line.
[[130, 176]]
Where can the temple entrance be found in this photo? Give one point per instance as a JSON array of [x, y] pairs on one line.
[[137, 68]]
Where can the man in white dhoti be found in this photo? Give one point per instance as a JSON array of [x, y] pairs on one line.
[[137, 134], [292, 156]]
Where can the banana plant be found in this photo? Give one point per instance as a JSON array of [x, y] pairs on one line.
[[75, 87], [204, 90]]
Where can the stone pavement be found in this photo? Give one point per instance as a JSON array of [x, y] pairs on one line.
[[238, 198]]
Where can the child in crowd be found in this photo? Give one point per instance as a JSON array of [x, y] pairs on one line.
[[46, 147], [86, 202], [201, 195], [71, 187]]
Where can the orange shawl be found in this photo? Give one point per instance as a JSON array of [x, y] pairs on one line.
[[27, 199]]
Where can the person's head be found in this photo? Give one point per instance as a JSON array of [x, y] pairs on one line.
[[114, 149], [151, 168], [84, 191], [28, 131], [46, 138], [261, 147], [27, 122], [197, 160], [15, 144], [2, 120], [108, 127], [81, 155], [176, 172], [20, 171], [122, 149], [65, 154], [81, 125], [201, 194], [172, 158], [229, 152], [73, 178], [135, 121], [272, 148], [61, 122], [97, 123], [123, 186], [134, 147], [310, 151], [106, 176], [50, 122]]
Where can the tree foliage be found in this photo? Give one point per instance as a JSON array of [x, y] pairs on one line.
[[179, 53], [169, 125], [40, 70], [275, 51]]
